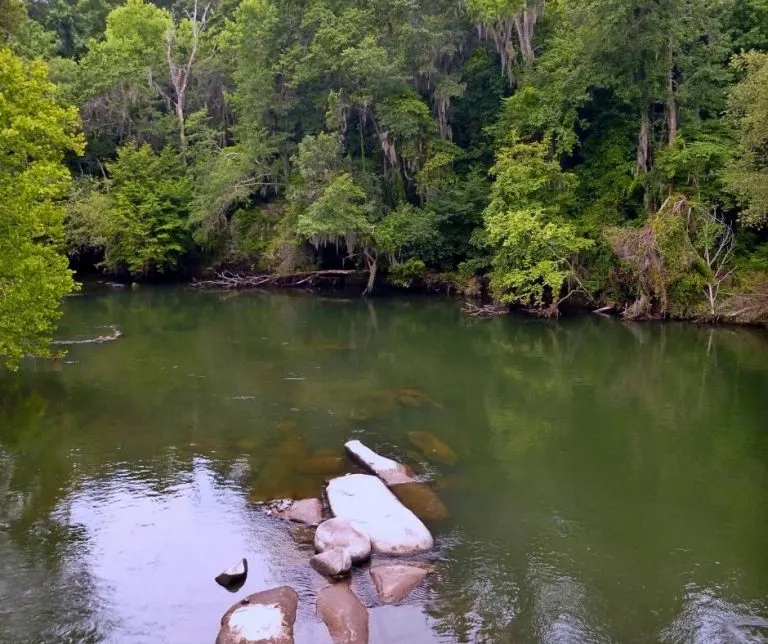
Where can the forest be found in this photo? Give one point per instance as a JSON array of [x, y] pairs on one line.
[[610, 154]]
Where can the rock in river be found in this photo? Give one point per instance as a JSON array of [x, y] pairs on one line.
[[365, 501], [433, 448], [307, 511], [334, 562], [343, 614], [340, 533], [393, 583], [389, 471], [422, 500], [263, 618], [234, 577]]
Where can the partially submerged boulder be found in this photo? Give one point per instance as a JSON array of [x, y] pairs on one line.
[[340, 533], [389, 471], [366, 502], [394, 582], [262, 618], [234, 577], [307, 511], [422, 500], [333, 563], [432, 447], [344, 614], [303, 534]]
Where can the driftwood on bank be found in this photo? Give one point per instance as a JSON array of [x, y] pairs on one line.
[[486, 311], [230, 280]]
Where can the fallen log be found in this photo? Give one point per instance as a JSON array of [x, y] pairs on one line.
[[229, 280]]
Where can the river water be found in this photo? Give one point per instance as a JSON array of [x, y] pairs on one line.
[[611, 482]]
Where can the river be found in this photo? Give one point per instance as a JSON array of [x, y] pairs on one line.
[[611, 482]]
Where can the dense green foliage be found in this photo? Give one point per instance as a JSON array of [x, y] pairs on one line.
[[35, 132], [542, 147]]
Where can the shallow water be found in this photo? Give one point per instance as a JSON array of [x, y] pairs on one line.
[[611, 482]]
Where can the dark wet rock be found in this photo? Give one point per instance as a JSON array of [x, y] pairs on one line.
[[344, 614], [334, 562], [433, 448], [422, 500], [303, 534], [412, 398], [394, 582], [340, 533], [308, 511], [389, 471], [322, 463], [263, 618], [234, 577], [367, 503]]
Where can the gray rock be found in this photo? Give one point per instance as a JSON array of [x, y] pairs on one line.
[[340, 533], [234, 577], [335, 562], [303, 534], [394, 583], [263, 618], [389, 471], [307, 511], [366, 502], [343, 614]]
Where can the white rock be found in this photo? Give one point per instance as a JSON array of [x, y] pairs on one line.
[[265, 617], [389, 471], [335, 562], [340, 533], [365, 501]]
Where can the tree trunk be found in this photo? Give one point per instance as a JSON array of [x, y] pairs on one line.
[[180, 118], [370, 259], [643, 145], [671, 101]]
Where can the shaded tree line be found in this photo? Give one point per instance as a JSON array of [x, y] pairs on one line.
[[600, 152]]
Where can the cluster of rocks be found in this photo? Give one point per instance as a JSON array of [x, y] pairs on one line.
[[371, 516]]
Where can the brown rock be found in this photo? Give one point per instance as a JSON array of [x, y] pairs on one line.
[[335, 562], [422, 500], [322, 464], [307, 511], [393, 583], [263, 618], [303, 534], [343, 614], [433, 448]]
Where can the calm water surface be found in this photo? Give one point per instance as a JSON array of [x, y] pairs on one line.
[[612, 482]]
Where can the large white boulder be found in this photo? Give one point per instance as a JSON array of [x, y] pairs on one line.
[[366, 501], [263, 618]]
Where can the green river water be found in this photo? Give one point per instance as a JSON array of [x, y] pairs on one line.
[[611, 482]]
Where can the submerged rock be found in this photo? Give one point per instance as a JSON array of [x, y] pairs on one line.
[[433, 448], [389, 471], [422, 500], [322, 463], [307, 511], [263, 618], [340, 533], [365, 501], [303, 534], [394, 583], [343, 614], [334, 562], [234, 577]]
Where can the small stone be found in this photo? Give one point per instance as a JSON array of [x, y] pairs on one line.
[[307, 511], [263, 618], [394, 583], [343, 614], [339, 533], [335, 562], [234, 577]]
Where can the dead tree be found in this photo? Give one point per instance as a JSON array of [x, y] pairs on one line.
[[179, 73], [717, 253]]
